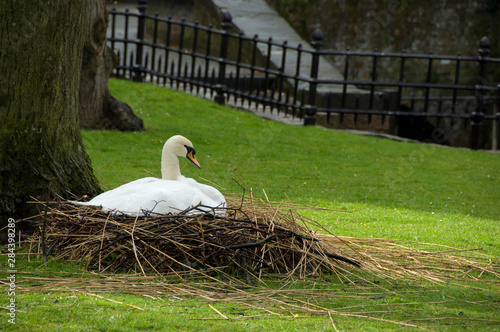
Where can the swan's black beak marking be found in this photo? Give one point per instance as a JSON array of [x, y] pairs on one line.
[[190, 155]]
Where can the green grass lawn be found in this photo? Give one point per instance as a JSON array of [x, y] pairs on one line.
[[405, 191]]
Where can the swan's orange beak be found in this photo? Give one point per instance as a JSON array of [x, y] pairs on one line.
[[191, 157]]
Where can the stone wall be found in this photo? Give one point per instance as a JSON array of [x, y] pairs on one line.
[[444, 27]]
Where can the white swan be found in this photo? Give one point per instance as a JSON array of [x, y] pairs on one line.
[[173, 193]]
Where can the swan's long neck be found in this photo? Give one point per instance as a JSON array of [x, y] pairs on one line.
[[169, 165]]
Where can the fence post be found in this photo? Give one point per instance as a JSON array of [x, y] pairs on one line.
[[220, 87], [496, 121], [478, 114], [141, 27], [310, 110]]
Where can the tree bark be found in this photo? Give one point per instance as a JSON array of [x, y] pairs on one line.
[[97, 108], [41, 150]]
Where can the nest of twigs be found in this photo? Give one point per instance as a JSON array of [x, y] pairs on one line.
[[254, 237], [249, 239]]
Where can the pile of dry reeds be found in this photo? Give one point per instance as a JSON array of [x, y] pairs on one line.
[[254, 236]]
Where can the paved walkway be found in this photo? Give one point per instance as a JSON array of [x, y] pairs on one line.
[[255, 17]]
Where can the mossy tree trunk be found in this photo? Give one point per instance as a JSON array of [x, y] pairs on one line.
[[41, 45], [97, 64], [98, 109]]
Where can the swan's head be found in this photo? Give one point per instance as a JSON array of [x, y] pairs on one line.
[[182, 147]]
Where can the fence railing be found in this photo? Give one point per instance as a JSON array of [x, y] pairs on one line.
[[396, 93]]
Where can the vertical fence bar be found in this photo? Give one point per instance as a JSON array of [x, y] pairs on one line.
[[173, 78], [475, 129], [167, 50], [207, 61], [238, 67], [220, 87], [130, 61], [287, 104], [153, 56], [266, 74], [296, 79], [159, 74], [401, 79], [141, 27], [346, 74], [280, 77], [310, 110], [180, 51], [457, 79], [125, 47], [199, 80], [193, 53], [252, 68], [496, 121], [428, 81], [374, 78], [477, 115], [185, 76]]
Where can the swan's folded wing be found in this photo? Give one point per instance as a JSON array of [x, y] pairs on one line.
[[212, 196]]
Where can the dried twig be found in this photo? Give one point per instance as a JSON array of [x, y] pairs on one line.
[[111, 300], [217, 311]]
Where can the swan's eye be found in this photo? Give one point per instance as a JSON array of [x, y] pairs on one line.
[[190, 150]]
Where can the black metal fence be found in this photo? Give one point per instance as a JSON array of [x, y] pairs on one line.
[[398, 94]]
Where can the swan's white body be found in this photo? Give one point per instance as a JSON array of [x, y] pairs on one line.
[[173, 193]]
